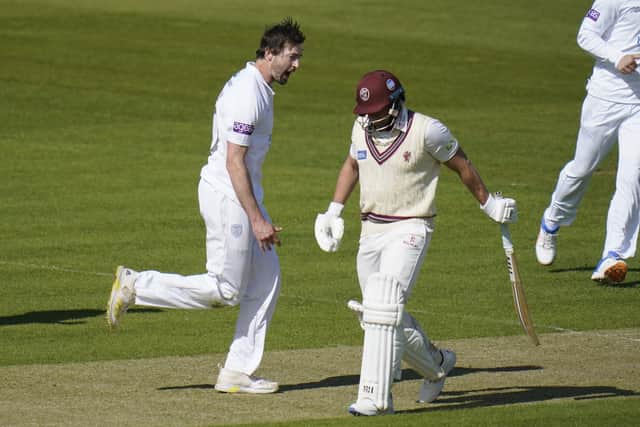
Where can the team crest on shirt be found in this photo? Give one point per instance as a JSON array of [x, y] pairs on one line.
[[593, 15], [406, 156], [236, 230], [362, 154]]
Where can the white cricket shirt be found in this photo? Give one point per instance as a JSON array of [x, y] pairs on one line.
[[610, 30], [243, 115]]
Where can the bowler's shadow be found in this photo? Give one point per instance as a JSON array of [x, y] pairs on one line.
[[61, 317]]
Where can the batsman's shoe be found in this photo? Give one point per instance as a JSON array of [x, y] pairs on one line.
[[367, 408], [430, 390], [610, 269], [546, 244], [237, 382], [123, 294]]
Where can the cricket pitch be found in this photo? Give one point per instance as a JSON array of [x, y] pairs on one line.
[[317, 383]]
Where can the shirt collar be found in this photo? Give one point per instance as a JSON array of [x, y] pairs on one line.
[[251, 65]]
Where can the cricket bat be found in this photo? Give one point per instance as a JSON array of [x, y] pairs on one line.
[[519, 299]]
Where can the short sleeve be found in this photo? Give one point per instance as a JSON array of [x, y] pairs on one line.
[[439, 141], [243, 116]]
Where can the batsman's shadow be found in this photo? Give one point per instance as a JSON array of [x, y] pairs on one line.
[[407, 374], [61, 317], [501, 396]]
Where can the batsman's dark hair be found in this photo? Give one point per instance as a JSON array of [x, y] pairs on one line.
[[276, 36]]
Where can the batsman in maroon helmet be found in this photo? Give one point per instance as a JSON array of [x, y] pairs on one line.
[[395, 155]]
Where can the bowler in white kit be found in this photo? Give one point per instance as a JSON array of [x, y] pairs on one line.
[[242, 265], [610, 32]]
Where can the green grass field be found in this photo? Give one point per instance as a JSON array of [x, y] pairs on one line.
[[105, 111]]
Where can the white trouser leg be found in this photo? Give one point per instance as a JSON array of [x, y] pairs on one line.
[[155, 289], [257, 306], [597, 134], [228, 241], [237, 273], [400, 253], [623, 219], [419, 352]]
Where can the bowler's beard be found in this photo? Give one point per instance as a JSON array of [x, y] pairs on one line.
[[284, 78]]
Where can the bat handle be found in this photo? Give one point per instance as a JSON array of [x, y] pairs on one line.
[[507, 243]]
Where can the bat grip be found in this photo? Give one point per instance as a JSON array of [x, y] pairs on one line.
[[507, 243]]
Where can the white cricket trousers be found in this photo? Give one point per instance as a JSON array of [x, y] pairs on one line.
[[602, 123], [238, 272], [400, 253]]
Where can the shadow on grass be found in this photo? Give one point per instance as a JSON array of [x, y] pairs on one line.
[[349, 380], [61, 317], [407, 374], [510, 395]]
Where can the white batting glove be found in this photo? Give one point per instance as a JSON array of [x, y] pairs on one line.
[[499, 209], [329, 228]]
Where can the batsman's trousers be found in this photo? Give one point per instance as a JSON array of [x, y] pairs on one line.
[[398, 249]]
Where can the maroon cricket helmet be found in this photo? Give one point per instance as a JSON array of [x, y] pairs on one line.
[[377, 90]]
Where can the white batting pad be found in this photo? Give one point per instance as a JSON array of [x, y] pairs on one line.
[[383, 305]]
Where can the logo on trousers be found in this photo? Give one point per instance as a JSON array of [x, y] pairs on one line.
[[236, 230]]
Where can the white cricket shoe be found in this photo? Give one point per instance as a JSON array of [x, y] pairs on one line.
[[237, 382], [123, 294], [546, 244], [610, 269], [430, 390], [367, 408]]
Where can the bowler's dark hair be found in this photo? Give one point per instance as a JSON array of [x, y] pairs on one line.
[[275, 37]]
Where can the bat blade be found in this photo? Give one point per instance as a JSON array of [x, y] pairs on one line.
[[519, 298]]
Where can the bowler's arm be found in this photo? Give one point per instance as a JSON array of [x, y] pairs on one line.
[[598, 21], [264, 231]]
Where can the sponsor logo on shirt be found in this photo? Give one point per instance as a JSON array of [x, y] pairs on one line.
[[242, 128], [406, 156], [593, 15], [362, 154]]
